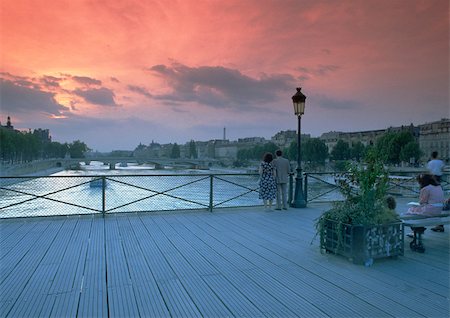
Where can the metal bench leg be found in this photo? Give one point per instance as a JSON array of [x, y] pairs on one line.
[[416, 244]]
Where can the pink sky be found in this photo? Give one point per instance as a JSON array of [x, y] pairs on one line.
[[118, 73]]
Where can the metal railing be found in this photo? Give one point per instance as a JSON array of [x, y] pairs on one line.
[[325, 186], [102, 194]]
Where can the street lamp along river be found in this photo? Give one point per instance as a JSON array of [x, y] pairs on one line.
[[299, 109]]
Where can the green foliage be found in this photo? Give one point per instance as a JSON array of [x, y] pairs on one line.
[[192, 150], [314, 150], [19, 147], [256, 152], [341, 151], [390, 146], [175, 152], [357, 151], [410, 150], [77, 149], [364, 189]]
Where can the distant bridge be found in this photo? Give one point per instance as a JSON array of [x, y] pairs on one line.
[[159, 163]]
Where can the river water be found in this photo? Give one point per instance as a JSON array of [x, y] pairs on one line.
[[136, 189], [128, 189]]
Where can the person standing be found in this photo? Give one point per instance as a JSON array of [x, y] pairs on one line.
[[267, 184], [282, 170], [436, 166]]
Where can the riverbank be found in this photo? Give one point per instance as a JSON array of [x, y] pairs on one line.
[[35, 168]]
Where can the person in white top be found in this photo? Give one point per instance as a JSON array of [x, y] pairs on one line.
[[435, 166]]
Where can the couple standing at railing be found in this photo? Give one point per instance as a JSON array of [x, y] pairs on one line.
[[274, 177]]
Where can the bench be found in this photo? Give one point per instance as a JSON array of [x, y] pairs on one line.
[[418, 223]]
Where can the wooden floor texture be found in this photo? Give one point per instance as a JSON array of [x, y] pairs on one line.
[[230, 263]]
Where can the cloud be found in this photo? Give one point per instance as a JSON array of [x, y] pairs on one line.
[[220, 87], [86, 80], [16, 98], [319, 70], [50, 81], [140, 90], [335, 104], [99, 96]]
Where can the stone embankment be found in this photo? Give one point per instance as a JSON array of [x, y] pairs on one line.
[[35, 168]]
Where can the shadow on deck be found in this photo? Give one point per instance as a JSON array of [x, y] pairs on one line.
[[239, 262]]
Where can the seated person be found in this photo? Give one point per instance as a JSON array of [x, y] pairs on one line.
[[431, 197]]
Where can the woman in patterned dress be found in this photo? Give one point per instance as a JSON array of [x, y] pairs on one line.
[[267, 183]]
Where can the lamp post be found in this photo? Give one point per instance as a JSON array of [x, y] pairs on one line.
[[299, 109]]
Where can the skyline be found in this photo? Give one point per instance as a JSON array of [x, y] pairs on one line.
[[118, 74]]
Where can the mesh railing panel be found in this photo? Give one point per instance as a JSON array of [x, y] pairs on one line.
[[230, 189], [156, 193], [67, 195], [26, 197]]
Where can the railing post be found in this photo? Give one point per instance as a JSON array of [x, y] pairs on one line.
[[103, 195], [305, 187], [211, 193]]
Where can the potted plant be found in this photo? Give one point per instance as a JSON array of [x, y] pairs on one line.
[[365, 225]]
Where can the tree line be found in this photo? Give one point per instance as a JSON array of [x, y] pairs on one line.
[[391, 148], [21, 147]]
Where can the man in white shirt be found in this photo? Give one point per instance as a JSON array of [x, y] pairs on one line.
[[436, 166], [282, 170]]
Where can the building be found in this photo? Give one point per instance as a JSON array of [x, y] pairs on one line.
[[368, 137], [284, 138], [43, 135], [435, 136], [8, 124]]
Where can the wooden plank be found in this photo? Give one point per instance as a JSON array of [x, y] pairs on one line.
[[237, 302], [33, 296], [92, 303], [150, 302], [17, 281], [178, 300], [230, 263], [93, 289], [203, 298], [122, 301], [256, 295]]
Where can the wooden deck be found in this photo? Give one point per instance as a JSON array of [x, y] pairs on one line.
[[243, 263]]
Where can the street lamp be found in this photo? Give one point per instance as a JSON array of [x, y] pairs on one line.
[[299, 109]]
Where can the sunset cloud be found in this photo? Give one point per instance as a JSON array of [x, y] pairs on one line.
[[98, 96], [86, 80], [188, 68], [19, 98], [140, 90], [217, 86]]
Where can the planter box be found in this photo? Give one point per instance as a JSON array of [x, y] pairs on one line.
[[363, 243]]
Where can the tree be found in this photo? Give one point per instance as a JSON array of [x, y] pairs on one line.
[[357, 151], [341, 151], [314, 150], [409, 151], [192, 150], [175, 152], [256, 152], [77, 149], [389, 146]]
